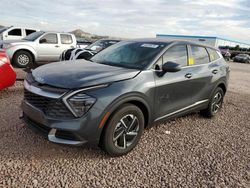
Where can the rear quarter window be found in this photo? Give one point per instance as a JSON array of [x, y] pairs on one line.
[[200, 55], [66, 39], [213, 54]]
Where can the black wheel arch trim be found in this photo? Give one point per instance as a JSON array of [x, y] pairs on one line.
[[220, 82], [129, 98]]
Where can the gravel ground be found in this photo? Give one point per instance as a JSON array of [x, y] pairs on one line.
[[191, 151]]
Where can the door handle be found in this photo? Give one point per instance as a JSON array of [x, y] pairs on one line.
[[188, 75], [215, 71], [57, 46]]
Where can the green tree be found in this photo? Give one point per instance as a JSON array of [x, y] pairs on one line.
[[237, 47]]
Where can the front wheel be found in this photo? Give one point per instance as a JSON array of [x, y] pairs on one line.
[[123, 130], [22, 59], [215, 103]]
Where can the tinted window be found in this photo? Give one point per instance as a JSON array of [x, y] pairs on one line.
[[213, 54], [177, 54], [200, 55], [66, 39], [15, 32], [50, 38], [29, 31], [129, 54]]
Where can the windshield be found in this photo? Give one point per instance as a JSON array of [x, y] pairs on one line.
[[101, 44], [34, 36], [135, 55]]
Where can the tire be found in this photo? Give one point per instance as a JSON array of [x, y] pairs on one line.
[[215, 103], [115, 132], [22, 59]]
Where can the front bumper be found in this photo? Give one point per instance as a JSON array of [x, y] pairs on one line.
[[75, 131]]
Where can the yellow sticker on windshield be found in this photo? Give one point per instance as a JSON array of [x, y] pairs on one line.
[[190, 61]]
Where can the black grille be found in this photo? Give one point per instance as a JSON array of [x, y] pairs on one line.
[[53, 108], [44, 130]]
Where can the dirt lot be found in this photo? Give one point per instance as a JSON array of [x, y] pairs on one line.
[[188, 152]]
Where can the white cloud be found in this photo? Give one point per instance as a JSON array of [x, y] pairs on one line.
[[134, 18]]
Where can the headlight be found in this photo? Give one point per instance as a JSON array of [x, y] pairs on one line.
[[80, 103], [6, 46]]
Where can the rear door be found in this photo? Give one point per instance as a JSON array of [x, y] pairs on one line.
[[66, 42], [48, 47], [173, 90], [203, 72]]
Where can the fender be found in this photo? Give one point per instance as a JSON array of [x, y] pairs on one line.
[[219, 82], [126, 98], [11, 51]]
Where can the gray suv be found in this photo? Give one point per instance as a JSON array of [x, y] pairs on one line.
[[111, 98]]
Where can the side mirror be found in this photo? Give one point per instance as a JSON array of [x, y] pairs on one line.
[[42, 41], [171, 67]]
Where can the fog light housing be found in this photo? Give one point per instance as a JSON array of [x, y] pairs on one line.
[[80, 103]]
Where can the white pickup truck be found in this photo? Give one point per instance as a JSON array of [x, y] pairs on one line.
[[15, 33], [38, 47]]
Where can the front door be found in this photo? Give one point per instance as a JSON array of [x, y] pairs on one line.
[[173, 90], [48, 48]]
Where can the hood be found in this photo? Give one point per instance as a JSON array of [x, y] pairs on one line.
[[80, 74]]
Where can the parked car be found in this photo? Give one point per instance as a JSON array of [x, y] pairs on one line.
[[7, 73], [82, 43], [89, 51], [125, 88], [101, 45], [39, 47], [15, 33], [243, 58]]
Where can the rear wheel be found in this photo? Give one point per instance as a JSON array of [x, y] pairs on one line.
[[123, 131], [215, 103], [22, 59]]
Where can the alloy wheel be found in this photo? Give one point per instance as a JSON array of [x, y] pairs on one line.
[[23, 59], [126, 131], [217, 102]]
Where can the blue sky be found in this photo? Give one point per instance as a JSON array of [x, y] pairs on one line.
[[133, 18]]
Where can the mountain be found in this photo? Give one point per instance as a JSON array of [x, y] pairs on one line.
[[82, 34], [1, 26]]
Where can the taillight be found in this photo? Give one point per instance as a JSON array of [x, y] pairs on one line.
[[3, 57]]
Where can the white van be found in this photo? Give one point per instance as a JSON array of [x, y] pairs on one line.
[[15, 33]]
